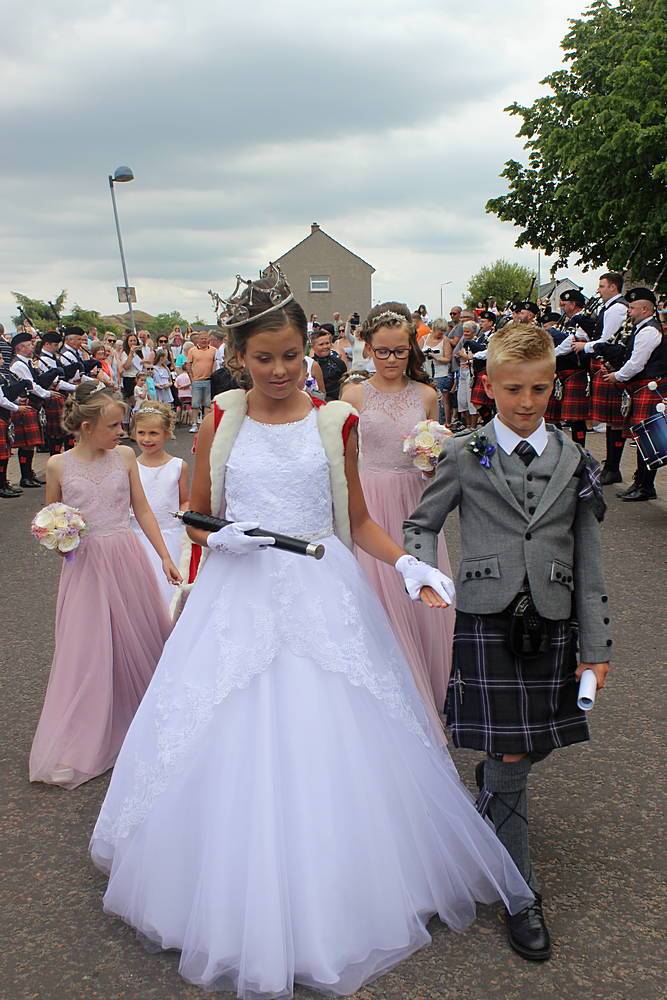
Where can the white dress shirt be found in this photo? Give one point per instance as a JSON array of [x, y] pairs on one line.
[[646, 340], [508, 439], [615, 314], [219, 358], [22, 369], [7, 404]]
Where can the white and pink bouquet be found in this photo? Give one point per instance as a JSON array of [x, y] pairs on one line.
[[59, 527], [425, 443]]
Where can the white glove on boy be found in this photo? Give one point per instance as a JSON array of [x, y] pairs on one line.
[[418, 574], [232, 539]]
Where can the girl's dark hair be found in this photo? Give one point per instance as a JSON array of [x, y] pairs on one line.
[[397, 314], [263, 321], [126, 340]]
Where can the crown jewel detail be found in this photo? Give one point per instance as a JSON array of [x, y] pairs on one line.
[[236, 310]]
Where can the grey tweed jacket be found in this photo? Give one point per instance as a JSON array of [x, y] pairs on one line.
[[556, 548]]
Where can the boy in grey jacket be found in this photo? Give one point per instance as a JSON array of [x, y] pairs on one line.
[[531, 598]]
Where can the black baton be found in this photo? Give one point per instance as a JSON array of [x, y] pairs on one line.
[[285, 542]]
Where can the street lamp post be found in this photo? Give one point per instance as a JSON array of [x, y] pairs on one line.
[[442, 307], [120, 176]]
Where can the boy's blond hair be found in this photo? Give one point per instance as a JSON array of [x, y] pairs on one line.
[[518, 342]]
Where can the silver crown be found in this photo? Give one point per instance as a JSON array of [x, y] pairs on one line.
[[236, 310], [388, 315]]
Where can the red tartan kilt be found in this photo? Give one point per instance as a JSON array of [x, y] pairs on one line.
[[553, 411], [605, 403], [644, 404], [478, 396], [27, 428], [575, 404], [5, 451], [54, 407]]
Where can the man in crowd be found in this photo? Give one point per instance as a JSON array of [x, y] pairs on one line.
[[333, 367], [200, 365], [606, 395]]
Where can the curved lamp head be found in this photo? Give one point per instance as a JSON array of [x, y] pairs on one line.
[[122, 174]]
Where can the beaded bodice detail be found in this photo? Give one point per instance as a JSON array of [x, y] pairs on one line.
[[384, 421], [278, 474], [99, 489]]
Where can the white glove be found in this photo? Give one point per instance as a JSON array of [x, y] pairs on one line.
[[418, 574], [232, 539]]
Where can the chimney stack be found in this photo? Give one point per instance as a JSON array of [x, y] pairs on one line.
[[314, 227]]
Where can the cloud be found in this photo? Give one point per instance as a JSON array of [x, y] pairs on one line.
[[245, 122]]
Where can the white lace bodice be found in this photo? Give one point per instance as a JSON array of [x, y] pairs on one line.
[[161, 488], [278, 475]]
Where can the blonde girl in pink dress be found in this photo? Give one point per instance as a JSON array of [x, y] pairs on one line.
[[390, 403], [111, 620]]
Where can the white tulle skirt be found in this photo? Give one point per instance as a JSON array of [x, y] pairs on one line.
[[280, 811]]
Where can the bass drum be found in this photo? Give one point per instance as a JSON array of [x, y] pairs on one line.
[[651, 438]]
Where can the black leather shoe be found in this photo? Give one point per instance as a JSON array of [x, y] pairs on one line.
[[30, 484], [608, 477], [528, 934], [622, 494], [6, 493], [638, 494], [35, 478], [14, 489]]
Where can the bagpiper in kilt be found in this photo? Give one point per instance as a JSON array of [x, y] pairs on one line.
[[605, 398], [54, 408], [28, 431], [553, 411], [478, 396], [15, 430], [573, 367], [645, 360]]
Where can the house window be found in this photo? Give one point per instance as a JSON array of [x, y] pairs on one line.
[[320, 283]]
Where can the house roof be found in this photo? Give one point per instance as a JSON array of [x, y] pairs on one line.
[[551, 286], [315, 228]]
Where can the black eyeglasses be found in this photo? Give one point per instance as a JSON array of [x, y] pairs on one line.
[[383, 353]]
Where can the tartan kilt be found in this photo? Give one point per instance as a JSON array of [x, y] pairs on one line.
[[5, 450], [575, 404], [552, 413], [54, 407], [644, 403], [27, 428], [605, 402], [500, 703], [478, 396]]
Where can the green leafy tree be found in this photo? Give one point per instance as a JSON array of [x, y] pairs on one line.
[[501, 281], [164, 323], [596, 175], [39, 311]]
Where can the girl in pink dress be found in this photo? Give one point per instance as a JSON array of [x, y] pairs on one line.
[[111, 621], [390, 403]]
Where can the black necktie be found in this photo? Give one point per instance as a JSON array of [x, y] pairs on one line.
[[526, 452]]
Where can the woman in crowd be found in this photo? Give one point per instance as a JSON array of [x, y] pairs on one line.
[[437, 349]]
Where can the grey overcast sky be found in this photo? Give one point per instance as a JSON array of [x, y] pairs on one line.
[[244, 122]]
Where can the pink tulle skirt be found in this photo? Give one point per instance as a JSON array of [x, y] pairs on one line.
[[425, 634], [111, 626]]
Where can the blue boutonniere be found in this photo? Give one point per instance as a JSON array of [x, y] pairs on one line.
[[480, 446]]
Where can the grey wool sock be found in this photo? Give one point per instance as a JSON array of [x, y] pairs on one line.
[[508, 810]]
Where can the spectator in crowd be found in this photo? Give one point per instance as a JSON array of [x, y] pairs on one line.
[[132, 364], [333, 367], [438, 365], [105, 374], [200, 364]]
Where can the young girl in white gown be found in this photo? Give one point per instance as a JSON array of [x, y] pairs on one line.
[[165, 480], [282, 810]]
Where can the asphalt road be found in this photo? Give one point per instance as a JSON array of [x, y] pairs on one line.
[[597, 817]]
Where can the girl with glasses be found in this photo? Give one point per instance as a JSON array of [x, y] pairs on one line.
[[395, 398]]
